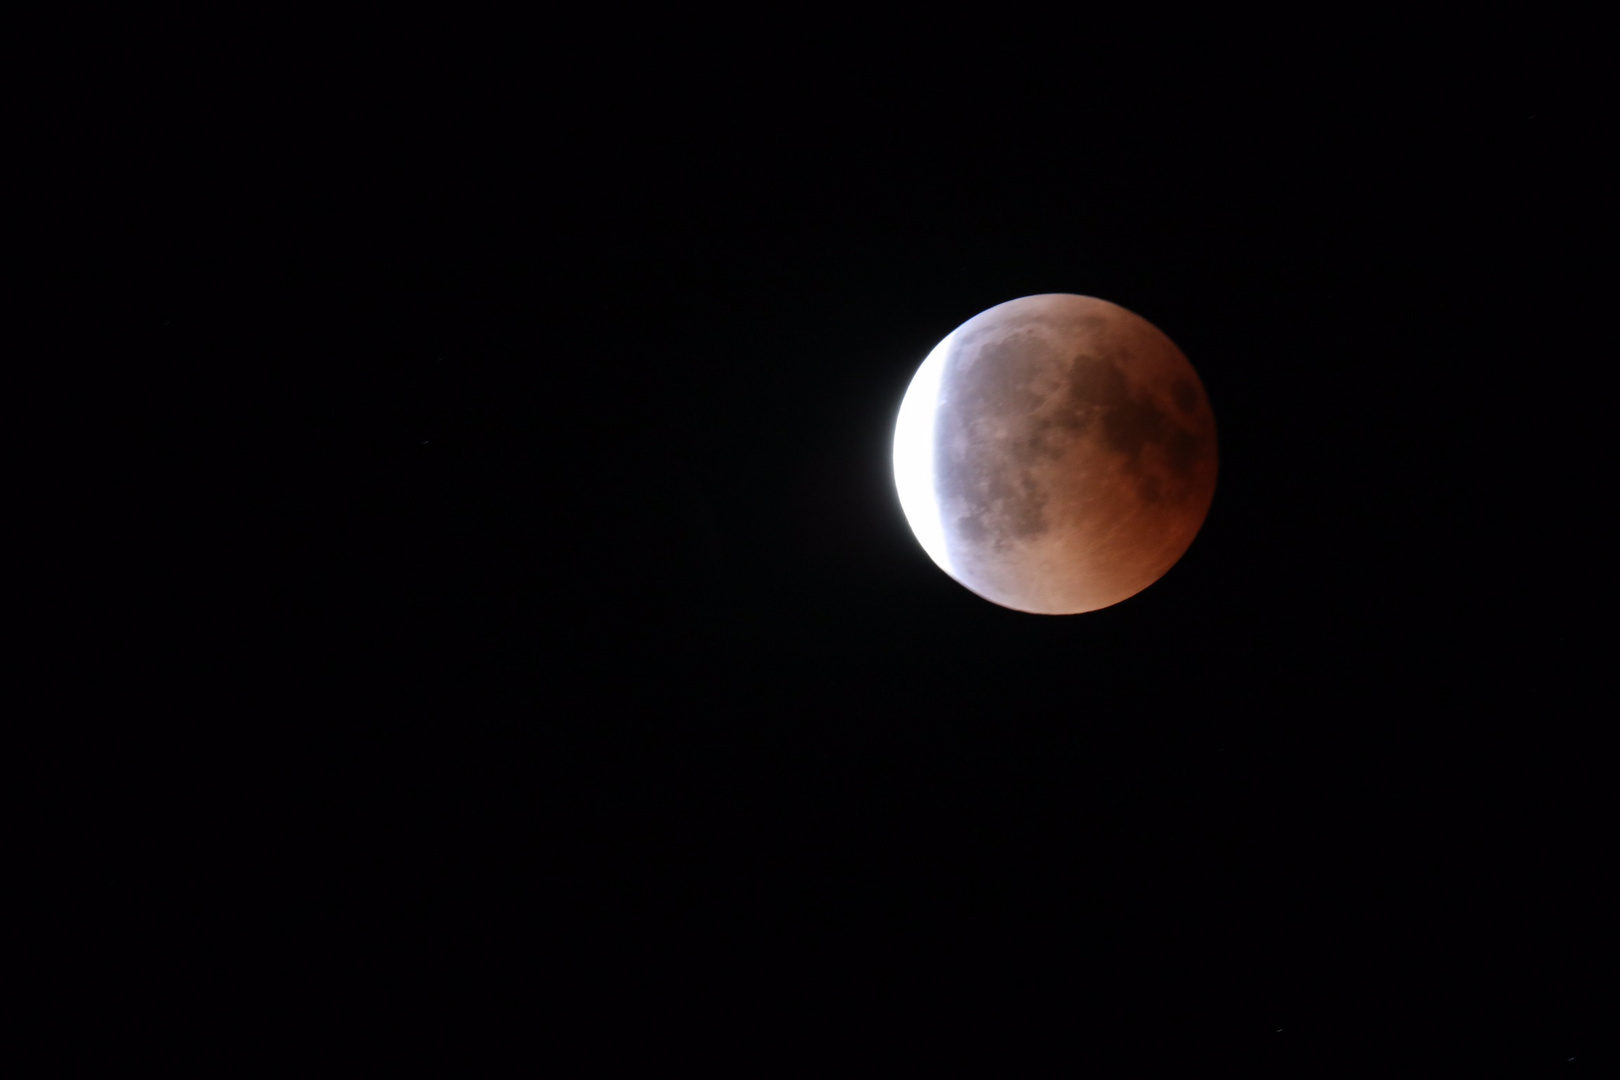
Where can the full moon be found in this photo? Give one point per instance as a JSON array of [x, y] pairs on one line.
[[1055, 454]]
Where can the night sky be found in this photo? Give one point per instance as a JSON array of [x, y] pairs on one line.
[[590, 675]]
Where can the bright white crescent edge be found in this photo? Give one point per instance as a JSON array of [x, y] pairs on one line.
[[914, 454]]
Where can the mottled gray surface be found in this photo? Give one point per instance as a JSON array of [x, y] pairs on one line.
[[1074, 454]]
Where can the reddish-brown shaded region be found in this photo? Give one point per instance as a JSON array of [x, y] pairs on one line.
[[1074, 454]]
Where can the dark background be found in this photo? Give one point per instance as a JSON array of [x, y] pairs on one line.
[[566, 655]]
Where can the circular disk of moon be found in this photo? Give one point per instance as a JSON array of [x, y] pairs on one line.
[[1055, 454]]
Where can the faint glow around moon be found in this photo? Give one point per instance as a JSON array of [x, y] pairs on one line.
[[914, 454]]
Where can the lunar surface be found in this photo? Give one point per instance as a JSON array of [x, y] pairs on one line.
[[1055, 454]]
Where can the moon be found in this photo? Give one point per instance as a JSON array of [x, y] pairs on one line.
[[1055, 454]]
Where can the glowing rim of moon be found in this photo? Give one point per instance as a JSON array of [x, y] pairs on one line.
[[914, 454]]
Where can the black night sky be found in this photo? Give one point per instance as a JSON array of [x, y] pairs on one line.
[[592, 678]]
